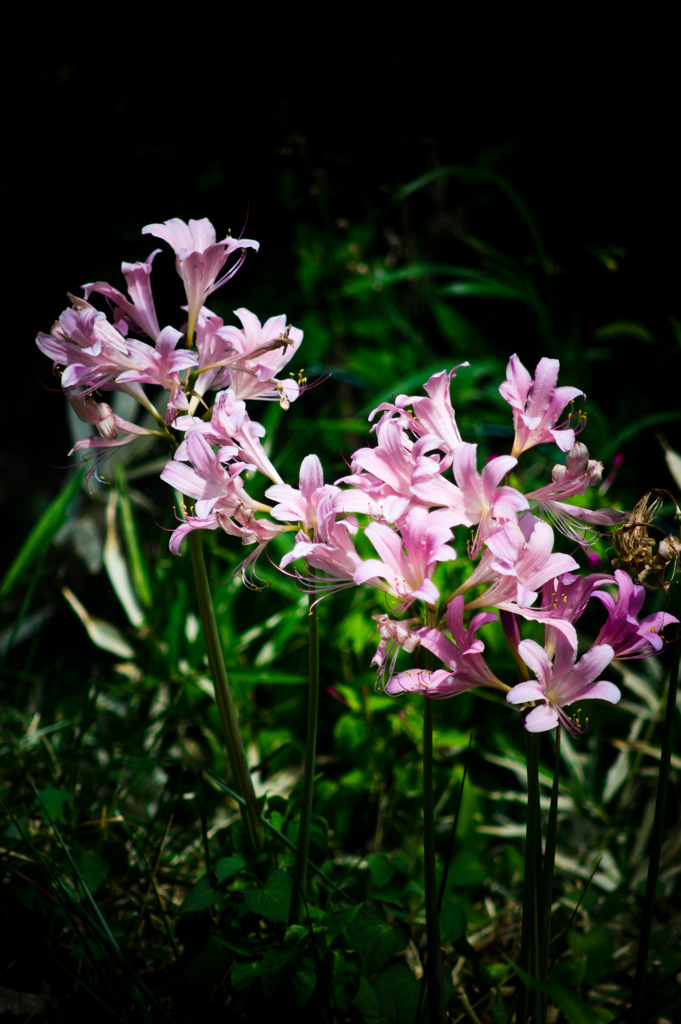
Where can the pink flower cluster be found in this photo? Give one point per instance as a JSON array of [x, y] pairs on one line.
[[217, 440], [416, 486], [419, 484]]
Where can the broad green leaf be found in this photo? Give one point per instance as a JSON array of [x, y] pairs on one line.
[[102, 634], [338, 920], [375, 940], [228, 866], [381, 869], [203, 895], [92, 869], [575, 1009], [452, 922], [303, 983], [273, 900], [366, 1000], [40, 537], [398, 993], [595, 947], [54, 802], [117, 566], [137, 563]]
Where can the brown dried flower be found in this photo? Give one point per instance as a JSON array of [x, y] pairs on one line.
[[644, 558]]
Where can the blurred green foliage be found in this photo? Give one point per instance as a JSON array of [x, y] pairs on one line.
[[122, 851]]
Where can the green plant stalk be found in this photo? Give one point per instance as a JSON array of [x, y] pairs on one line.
[[548, 865], [297, 908], [437, 1010], [529, 958], [136, 561], [234, 746], [636, 1012]]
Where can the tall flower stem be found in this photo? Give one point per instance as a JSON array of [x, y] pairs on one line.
[[636, 1013], [529, 958], [297, 907], [437, 1011], [548, 865], [234, 746]]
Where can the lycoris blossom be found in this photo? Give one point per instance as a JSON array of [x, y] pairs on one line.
[[537, 404], [199, 258], [561, 683]]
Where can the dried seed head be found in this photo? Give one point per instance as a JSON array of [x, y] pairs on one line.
[[646, 559]]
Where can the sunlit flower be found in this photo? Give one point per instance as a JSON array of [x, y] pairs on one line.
[[561, 682], [199, 258]]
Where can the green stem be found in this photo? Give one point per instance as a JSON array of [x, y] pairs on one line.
[[437, 1011], [529, 934], [548, 866], [223, 695], [297, 907], [636, 1013]]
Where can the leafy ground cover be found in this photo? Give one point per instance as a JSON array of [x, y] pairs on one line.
[[128, 891]]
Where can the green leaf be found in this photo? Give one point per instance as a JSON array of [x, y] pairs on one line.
[[273, 900], [398, 993], [203, 895], [452, 922], [338, 920], [366, 1000], [93, 870], [117, 568], [625, 329], [138, 566], [595, 948], [102, 634], [381, 869], [40, 537], [303, 983], [374, 939], [54, 801], [228, 866], [575, 1009]]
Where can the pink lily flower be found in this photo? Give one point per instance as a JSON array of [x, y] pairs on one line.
[[537, 404], [251, 531], [408, 559], [433, 415], [628, 637], [199, 258], [215, 351], [300, 505], [333, 552], [230, 425], [561, 683], [386, 473], [462, 655], [518, 561], [579, 473], [257, 353], [478, 498], [208, 480], [161, 365], [141, 310], [113, 430], [92, 351]]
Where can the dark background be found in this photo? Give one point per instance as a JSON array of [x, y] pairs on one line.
[[271, 124]]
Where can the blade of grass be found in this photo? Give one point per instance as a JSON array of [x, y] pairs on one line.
[[42, 534], [223, 696], [300, 870], [637, 1010]]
